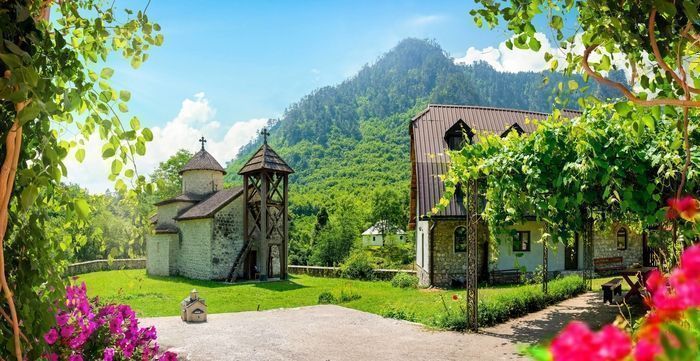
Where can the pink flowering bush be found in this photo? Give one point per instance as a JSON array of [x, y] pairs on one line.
[[85, 330], [669, 331]]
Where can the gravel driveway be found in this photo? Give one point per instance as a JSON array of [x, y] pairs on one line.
[[329, 332]]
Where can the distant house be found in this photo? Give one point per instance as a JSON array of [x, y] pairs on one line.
[[441, 238], [373, 235]]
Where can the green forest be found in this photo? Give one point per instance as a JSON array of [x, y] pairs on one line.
[[349, 147]]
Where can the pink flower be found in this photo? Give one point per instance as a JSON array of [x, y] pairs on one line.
[[51, 357], [108, 354], [168, 356], [578, 343], [75, 357], [51, 337], [646, 350], [67, 331], [686, 208]]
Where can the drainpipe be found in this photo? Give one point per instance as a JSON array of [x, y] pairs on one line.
[[431, 243]]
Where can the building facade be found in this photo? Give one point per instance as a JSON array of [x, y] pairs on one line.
[[204, 233], [441, 237]]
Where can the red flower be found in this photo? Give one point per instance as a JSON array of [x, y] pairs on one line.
[[686, 208], [455, 297]]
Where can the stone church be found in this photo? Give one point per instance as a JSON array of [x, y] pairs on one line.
[[216, 233]]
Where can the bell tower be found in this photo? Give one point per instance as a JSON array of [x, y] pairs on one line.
[[265, 220]]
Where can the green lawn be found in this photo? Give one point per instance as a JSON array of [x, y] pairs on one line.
[[160, 296]]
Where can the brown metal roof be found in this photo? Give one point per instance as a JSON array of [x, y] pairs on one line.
[[203, 161], [266, 159], [181, 198], [429, 160], [207, 207]]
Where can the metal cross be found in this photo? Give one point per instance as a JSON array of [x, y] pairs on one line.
[[264, 133], [202, 140]]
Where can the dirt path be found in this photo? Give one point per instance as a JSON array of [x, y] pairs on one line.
[[336, 333]]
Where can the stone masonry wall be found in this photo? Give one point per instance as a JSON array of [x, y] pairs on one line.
[[157, 251], [194, 258], [105, 265], [605, 245], [228, 238], [202, 182], [449, 265]]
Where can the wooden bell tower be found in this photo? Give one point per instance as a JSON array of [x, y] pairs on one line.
[[265, 220]]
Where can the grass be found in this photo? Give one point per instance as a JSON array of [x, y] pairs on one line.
[[160, 296]]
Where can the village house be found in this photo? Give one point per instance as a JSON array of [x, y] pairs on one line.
[[441, 239], [378, 235], [216, 233]]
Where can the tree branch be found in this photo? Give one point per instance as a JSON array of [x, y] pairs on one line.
[[659, 59]]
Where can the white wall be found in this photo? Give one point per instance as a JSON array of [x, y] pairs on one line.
[[508, 259], [423, 244], [378, 240], [202, 182]]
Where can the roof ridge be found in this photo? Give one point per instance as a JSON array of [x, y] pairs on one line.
[[493, 108]]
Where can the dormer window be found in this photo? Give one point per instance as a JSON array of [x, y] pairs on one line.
[[459, 135]]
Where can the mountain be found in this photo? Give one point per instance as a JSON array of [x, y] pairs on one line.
[[349, 140]]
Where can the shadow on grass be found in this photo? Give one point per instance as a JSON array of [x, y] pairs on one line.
[[275, 285], [592, 310]]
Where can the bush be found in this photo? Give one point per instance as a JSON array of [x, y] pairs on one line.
[[87, 330], [404, 280], [504, 307], [359, 266], [348, 295], [398, 314], [326, 297]]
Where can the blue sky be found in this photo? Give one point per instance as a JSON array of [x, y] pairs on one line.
[[226, 66]]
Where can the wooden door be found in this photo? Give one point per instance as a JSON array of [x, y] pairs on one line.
[[252, 261]]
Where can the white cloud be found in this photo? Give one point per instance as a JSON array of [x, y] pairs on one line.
[[507, 60], [196, 118], [424, 20]]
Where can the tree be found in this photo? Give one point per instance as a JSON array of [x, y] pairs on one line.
[[389, 211], [167, 176], [51, 82]]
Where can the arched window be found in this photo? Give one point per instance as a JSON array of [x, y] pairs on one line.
[[622, 239], [460, 239]]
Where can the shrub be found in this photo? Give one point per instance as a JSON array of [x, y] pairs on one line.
[[86, 330], [326, 297], [399, 315], [404, 280], [510, 305], [348, 295], [359, 265]]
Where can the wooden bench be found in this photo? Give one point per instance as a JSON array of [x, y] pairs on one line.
[[612, 288], [609, 264], [506, 276]]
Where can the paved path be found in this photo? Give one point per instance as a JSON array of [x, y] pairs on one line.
[[329, 332]]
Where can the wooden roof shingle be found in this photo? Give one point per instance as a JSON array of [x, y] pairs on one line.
[[212, 204], [203, 161], [266, 159]]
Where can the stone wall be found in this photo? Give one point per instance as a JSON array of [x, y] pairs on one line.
[[228, 238], [194, 258], [334, 272], [202, 182], [605, 245], [105, 265], [158, 252], [449, 265]]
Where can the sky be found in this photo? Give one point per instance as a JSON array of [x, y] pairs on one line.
[[226, 67]]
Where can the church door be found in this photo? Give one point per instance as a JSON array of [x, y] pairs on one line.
[[252, 262]]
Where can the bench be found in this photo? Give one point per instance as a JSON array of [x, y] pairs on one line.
[[506, 276], [609, 264], [612, 288]]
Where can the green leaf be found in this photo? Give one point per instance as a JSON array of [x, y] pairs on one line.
[[573, 84], [107, 151], [535, 44], [82, 208], [80, 155], [106, 73], [29, 112], [28, 196], [124, 95], [123, 107], [11, 60], [117, 166], [147, 134], [134, 123], [623, 108], [666, 8], [691, 10]]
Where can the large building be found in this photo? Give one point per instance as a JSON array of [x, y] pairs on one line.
[[217, 233], [441, 238]]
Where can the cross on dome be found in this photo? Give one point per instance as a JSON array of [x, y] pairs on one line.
[[202, 140], [264, 133]]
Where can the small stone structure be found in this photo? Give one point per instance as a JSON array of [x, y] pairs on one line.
[[193, 308]]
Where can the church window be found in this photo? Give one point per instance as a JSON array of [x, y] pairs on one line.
[[460, 239]]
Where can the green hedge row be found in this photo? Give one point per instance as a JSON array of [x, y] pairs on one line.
[[510, 305]]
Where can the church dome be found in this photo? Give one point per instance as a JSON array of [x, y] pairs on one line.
[[203, 161]]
